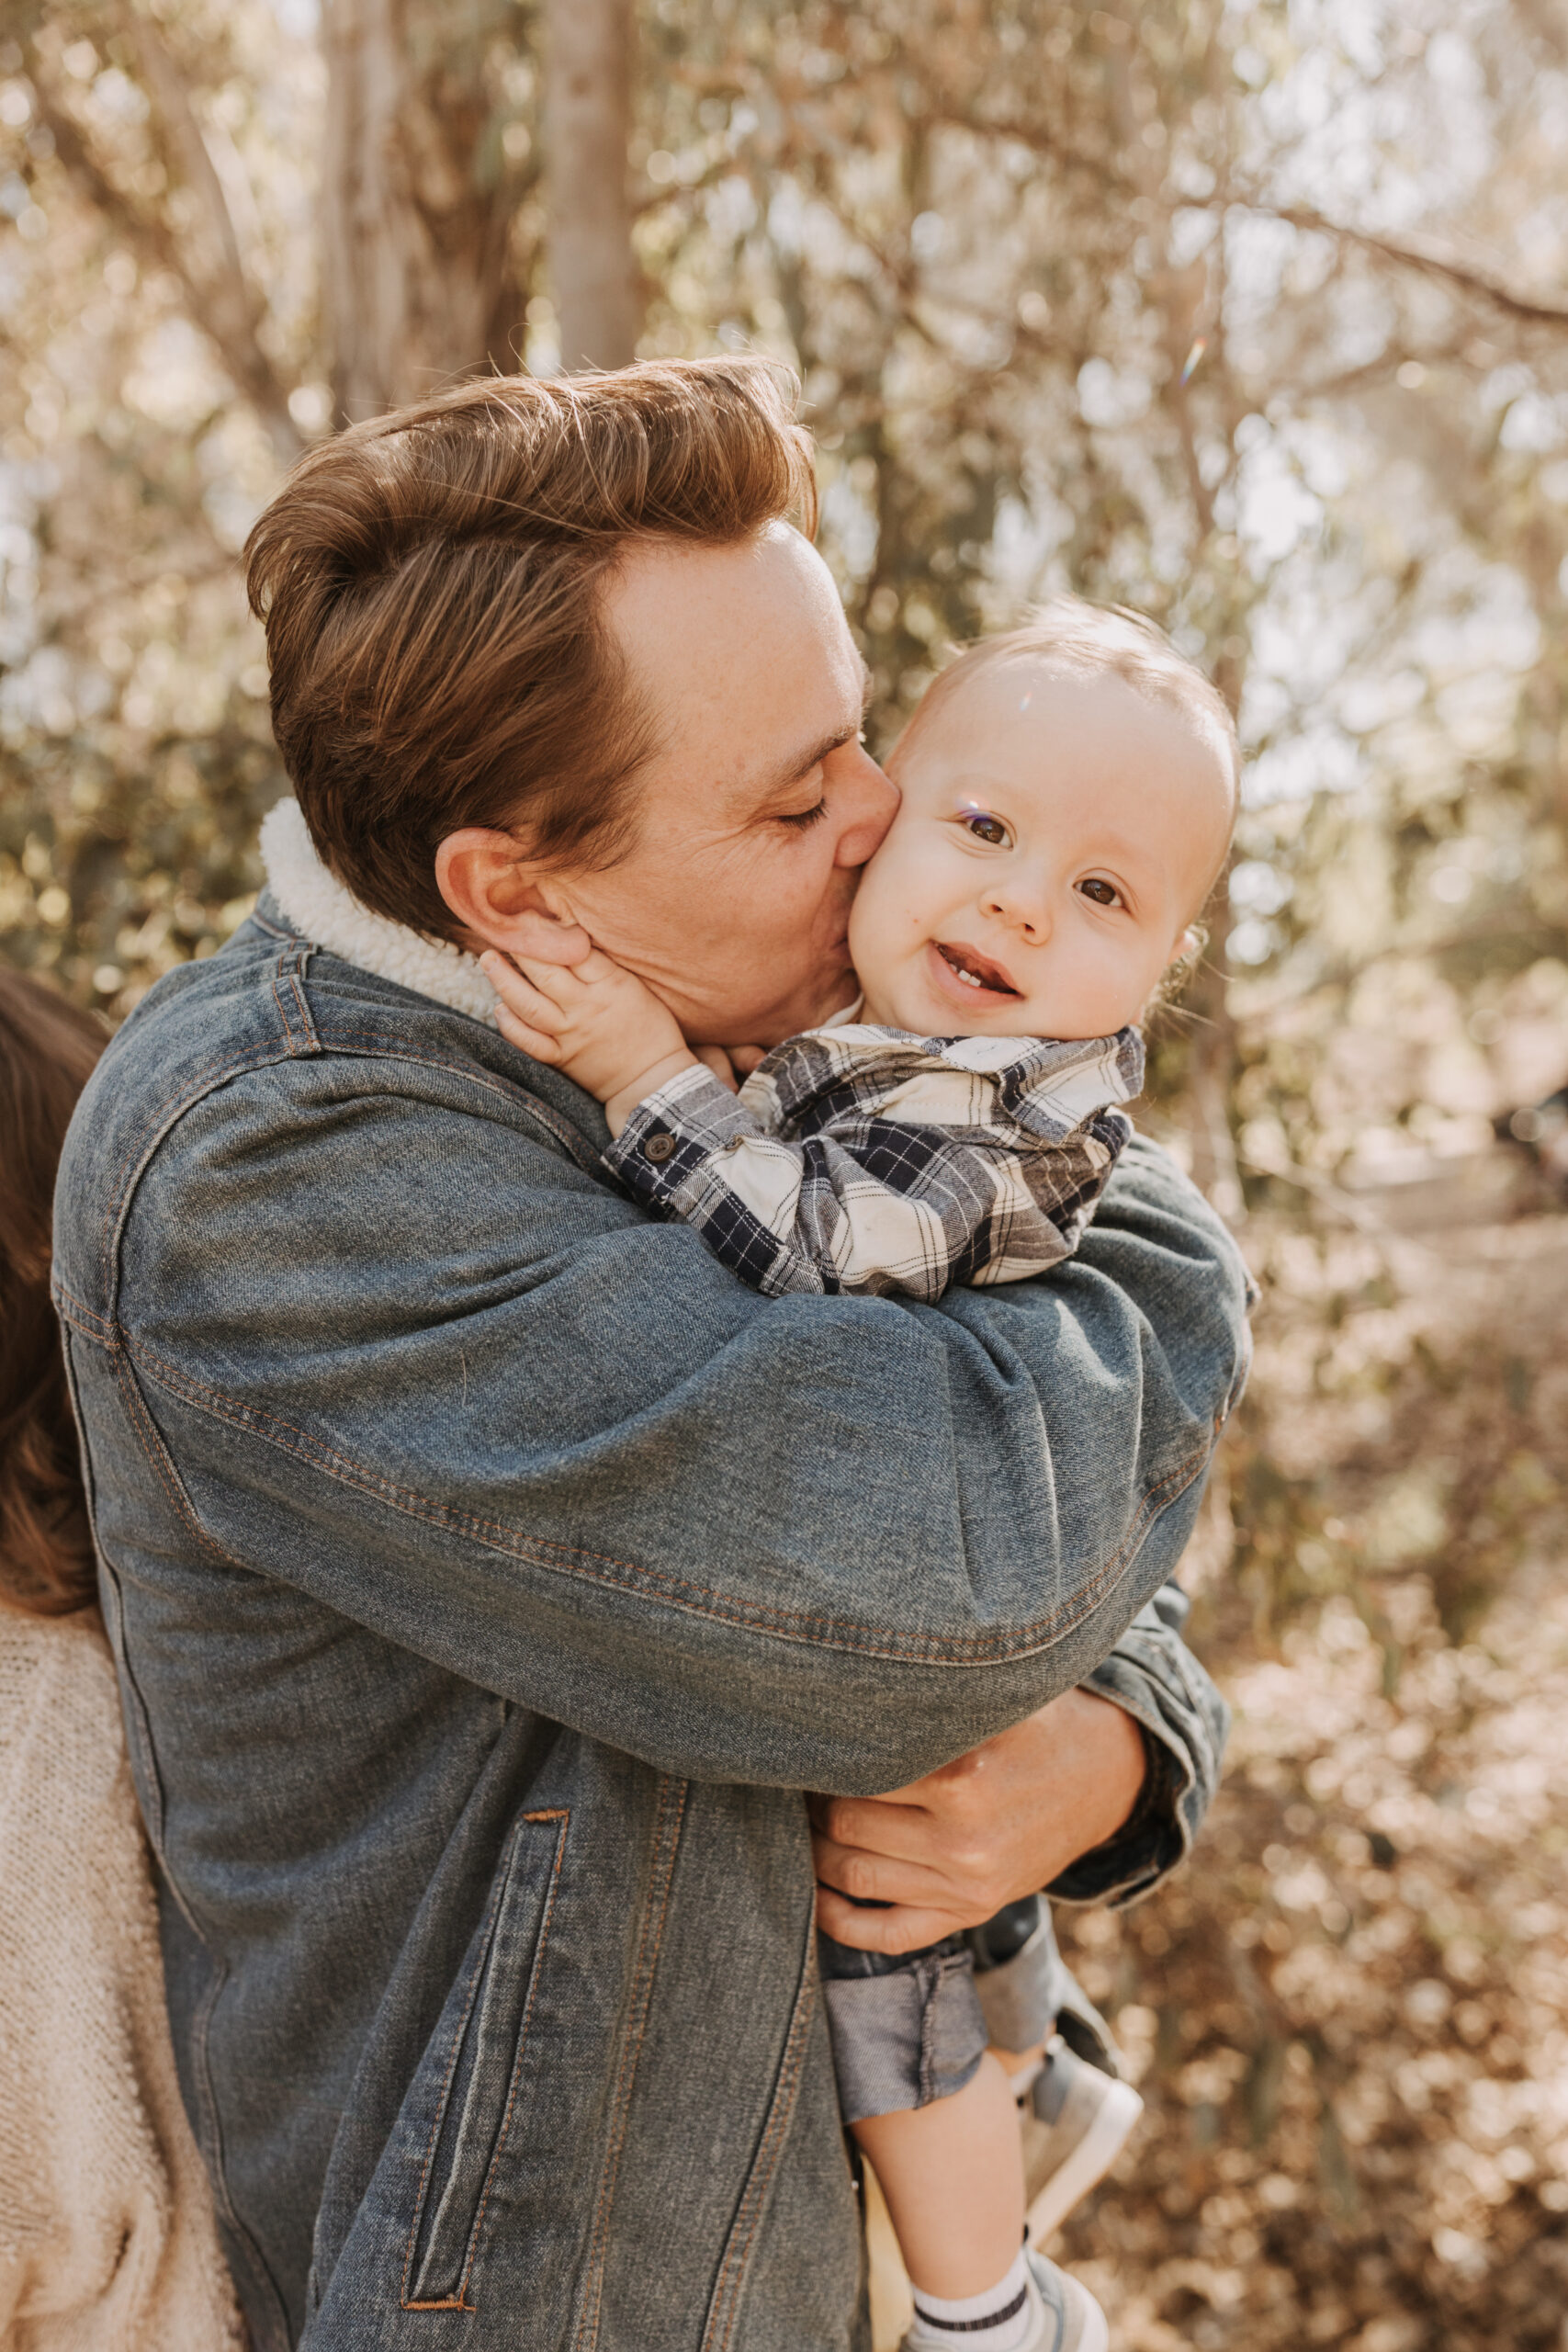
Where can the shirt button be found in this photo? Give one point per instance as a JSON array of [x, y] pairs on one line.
[[658, 1146]]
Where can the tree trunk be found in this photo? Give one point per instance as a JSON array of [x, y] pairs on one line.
[[587, 119], [416, 285]]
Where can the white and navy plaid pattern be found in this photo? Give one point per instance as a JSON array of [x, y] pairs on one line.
[[861, 1158]]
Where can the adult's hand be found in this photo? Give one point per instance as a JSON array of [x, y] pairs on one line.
[[1000, 1823]]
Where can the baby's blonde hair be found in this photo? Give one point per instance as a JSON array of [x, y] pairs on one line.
[[1068, 633]]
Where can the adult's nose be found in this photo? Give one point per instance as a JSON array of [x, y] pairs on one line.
[[865, 802]]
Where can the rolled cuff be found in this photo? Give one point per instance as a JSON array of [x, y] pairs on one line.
[[903, 2039], [673, 1132]]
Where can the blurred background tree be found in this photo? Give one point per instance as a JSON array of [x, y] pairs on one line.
[[1248, 312]]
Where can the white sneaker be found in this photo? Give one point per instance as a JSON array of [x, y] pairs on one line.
[[1079, 2124], [1071, 2319], [1064, 2314]]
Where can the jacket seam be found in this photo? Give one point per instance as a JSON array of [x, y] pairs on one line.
[[562, 1815], [550, 1119], [355, 1044], [179, 1502], [84, 1319], [736, 2257], [199, 1081], [286, 969], [460, 2302], [666, 1845], [261, 2270], [696, 1600], [448, 2304]]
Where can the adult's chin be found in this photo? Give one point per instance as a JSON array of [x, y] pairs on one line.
[[769, 1025]]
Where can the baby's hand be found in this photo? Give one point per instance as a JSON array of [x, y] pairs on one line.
[[593, 1020]]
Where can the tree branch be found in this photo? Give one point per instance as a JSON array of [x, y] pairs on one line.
[[1429, 259], [221, 304], [231, 309]]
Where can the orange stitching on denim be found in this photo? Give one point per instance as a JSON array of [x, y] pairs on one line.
[[162, 1465], [227, 1066], [292, 975], [142, 1422], [439, 2118], [86, 1318], [334, 1463], [680, 1592], [735, 2259], [174, 1106], [563, 1814], [274, 1050], [666, 1845]]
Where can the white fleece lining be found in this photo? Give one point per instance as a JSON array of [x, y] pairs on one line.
[[320, 906]]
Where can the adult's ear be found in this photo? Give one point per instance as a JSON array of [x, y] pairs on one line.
[[503, 898]]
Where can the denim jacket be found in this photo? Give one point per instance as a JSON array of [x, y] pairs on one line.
[[488, 1570]]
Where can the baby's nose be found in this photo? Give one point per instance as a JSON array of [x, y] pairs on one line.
[[1024, 909]]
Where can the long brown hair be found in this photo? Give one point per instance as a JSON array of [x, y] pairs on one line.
[[47, 1053]]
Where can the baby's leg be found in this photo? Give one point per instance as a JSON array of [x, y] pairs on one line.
[[952, 2175], [938, 2119]]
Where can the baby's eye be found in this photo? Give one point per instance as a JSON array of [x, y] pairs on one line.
[[990, 829], [1103, 893]]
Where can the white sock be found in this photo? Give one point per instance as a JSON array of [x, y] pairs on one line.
[[999, 2320]]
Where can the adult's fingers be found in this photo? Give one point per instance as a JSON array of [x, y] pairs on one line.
[[879, 1824], [904, 1927], [877, 1878], [717, 1060]]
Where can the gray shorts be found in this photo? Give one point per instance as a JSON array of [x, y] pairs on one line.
[[910, 2028]]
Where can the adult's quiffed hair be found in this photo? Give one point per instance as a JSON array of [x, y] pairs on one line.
[[431, 583], [46, 1052]]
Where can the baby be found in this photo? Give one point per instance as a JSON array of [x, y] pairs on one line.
[[1069, 794]]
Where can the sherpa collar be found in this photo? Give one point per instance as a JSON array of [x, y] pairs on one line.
[[320, 906]]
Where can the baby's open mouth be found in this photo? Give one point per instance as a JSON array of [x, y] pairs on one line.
[[976, 972]]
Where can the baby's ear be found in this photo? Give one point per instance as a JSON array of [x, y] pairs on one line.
[[1185, 956]]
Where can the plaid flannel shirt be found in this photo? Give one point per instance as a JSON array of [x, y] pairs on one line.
[[863, 1159]]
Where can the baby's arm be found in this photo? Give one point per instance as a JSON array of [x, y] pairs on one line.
[[860, 1204], [594, 1020]]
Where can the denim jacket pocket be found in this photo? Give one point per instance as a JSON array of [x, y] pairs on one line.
[[488, 2029]]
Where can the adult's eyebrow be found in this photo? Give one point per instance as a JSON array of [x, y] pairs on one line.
[[790, 771], [799, 764]]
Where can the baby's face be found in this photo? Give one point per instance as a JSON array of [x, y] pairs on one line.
[[1057, 835]]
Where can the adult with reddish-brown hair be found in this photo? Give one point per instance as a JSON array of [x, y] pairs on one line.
[[489, 1570], [108, 2242]]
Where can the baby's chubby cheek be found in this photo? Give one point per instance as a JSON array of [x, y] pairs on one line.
[[887, 917]]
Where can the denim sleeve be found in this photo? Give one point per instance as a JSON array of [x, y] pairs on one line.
[[1184, 1720], [384, 1341]]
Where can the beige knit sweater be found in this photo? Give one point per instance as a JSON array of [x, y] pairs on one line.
[[107, 2237]]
